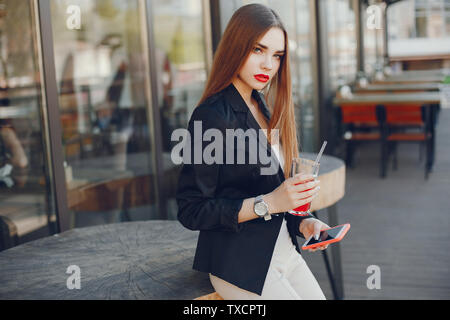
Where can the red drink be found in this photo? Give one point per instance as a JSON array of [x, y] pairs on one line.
[[308, 168], [303, 210]]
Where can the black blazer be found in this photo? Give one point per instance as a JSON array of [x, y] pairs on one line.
[[209, 198]]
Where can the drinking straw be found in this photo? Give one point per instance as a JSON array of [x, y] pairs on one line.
[[316, 163]]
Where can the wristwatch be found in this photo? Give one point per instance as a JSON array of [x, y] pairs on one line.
[[261, 208]]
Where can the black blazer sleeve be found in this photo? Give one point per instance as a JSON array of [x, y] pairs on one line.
[[198, 206], [296, 221]]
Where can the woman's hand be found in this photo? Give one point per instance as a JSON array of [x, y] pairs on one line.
[[291, 193], [312, 227]]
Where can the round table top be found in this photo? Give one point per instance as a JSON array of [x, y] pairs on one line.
[[129, 260], [427, 97], [327, 163]]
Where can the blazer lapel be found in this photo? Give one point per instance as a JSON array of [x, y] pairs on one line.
[[265, 110], [249, 122]]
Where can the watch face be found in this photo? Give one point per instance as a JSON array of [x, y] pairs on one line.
[[261, 208]]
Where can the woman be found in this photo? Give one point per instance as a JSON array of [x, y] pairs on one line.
[[247, 241]]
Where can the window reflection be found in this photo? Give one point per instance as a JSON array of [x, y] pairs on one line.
[[306, 90], [102, 81], [181, 72], [419, 28], [26, 202], [373, 46], [424, 19], [341, 41], [295, 15]]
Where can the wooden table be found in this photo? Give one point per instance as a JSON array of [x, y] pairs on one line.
[[135, 260], [413, 78], [418, 73], [428, 98], [393, 87], [332, 189], [132, 260]]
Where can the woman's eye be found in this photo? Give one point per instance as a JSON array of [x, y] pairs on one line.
[[279, 56], [257, 50]]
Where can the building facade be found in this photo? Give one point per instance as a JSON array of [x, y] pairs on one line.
[[419, 33], [91, 91]]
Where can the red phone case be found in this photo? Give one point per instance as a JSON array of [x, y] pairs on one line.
[[341, 236]]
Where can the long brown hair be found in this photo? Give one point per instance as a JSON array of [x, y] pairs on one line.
[[247, 25]]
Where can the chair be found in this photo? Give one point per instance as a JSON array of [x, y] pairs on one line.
[[360, 123], [406, 123]]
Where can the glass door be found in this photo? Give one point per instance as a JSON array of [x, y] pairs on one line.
[[180, 71], [27, 209], [101, 62]]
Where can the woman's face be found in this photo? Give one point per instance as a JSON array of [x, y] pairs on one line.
[[264, 60]]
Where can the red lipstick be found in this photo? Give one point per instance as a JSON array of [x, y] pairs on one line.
[[262, 78]]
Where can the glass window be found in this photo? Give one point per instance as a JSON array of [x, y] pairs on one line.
[[371, 45], [26, 200], [295, 15], [421, 26], [403, 12], [447, 25], [180, 68], [341, 42], [419, 19], [447, 17], [303, 57], [101, 63]]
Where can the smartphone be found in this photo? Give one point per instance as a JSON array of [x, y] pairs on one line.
[[328, 236]]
